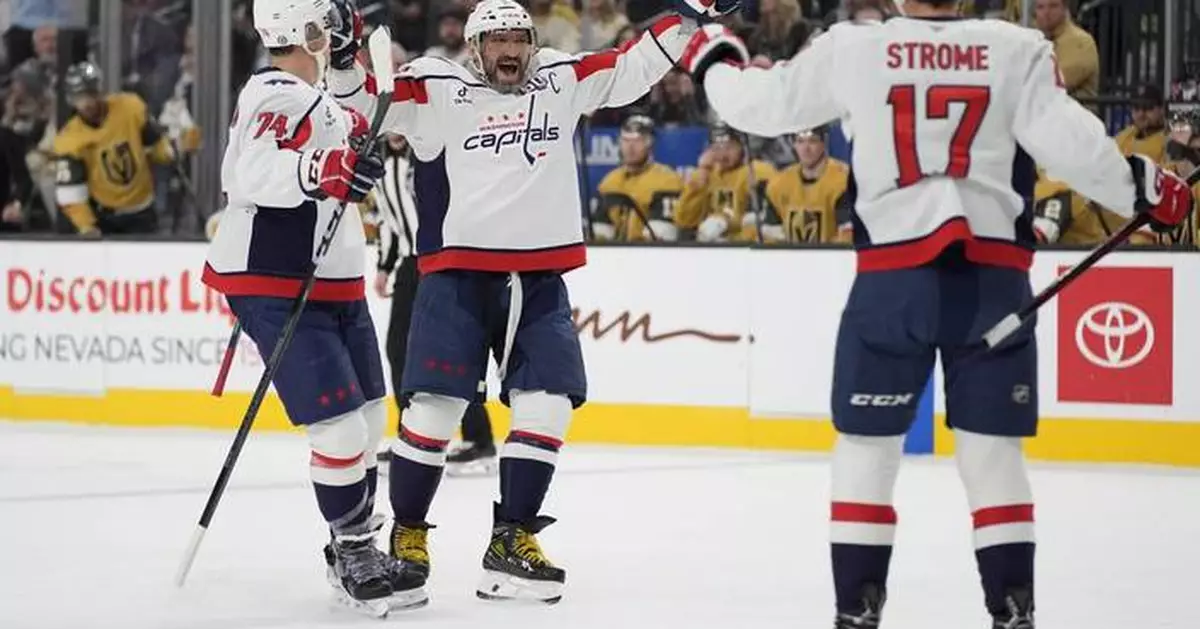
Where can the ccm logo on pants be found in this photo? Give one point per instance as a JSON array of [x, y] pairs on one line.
[[867, 399]]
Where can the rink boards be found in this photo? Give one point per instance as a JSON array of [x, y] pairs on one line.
[[684, 346]]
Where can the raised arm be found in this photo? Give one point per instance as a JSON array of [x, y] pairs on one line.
[[356, 89], [787, 97], [620, 76], [1067, 140]]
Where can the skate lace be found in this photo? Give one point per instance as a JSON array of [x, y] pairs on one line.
[[411, 544], [362, 562], [526, 547]]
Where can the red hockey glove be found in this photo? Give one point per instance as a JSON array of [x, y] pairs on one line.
[[1160, 193], [712, 43], [340, 173]]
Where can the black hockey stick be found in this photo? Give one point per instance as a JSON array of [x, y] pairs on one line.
[[380, 48], [1014, 321]]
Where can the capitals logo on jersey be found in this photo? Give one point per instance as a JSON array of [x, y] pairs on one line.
[[524, 129]]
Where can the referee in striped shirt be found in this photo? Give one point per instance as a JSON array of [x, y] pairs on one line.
[[396, 209]]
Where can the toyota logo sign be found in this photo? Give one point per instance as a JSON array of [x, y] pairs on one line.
[[1116, 325]]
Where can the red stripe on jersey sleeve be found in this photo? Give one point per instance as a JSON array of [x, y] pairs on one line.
[[860, 512], [662, 25], [410, 90], [370, 85], [1008, 514], [591, 64]]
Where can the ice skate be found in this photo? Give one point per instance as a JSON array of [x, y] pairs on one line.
[[514, 567], [408, 570], [1020, 611], [358, 574], [470, 459], [873, 598]]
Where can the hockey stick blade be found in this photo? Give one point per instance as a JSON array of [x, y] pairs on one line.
[[380, 48], [1014, 321]]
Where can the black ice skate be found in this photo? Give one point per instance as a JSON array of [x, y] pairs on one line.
[[409, 565], [1019, 614], [470, 459], [358, 573], [514, 567], [873, 598]]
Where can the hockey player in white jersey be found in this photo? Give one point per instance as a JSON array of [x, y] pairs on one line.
[[947, 119], [498, 198], [286, 168]]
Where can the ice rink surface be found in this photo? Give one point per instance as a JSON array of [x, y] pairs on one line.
[[93, 521]]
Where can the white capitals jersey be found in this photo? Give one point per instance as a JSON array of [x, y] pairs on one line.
[[947, 118], [275, 218], [496, 183]]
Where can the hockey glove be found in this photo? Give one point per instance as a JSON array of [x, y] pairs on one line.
[[711, 44], [346, 39], [1160, 193], [706, 10], [341, 174]]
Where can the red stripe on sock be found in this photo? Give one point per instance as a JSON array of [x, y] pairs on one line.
[[333, 462], [859, 512], [549, 441], [423, 440], [1007, 514]]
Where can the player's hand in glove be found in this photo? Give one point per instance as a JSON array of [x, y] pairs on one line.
[[712, 229], [711, 44], [346, 36], [706, 10], [341, 173], [1160, 193], [359, 125]]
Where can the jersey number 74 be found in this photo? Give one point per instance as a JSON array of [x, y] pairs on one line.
[[938, 98]]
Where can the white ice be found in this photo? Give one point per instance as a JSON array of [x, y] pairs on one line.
[[93, 522]]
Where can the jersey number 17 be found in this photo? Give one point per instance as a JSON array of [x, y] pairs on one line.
[[938, 98]]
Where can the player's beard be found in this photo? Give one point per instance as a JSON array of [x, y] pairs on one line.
[[507, 73]]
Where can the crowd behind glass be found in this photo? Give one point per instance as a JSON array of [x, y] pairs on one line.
[[736, 189]]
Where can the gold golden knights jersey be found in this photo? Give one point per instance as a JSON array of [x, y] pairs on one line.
[[1065, 217], [726, 193], [107, 165], [805, 210], [1152, 144], [626, 196]]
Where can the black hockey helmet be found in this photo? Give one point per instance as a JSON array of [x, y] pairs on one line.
[[722, 132], [638, 124], [82, 78]]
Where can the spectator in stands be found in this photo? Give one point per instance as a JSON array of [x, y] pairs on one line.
[[673, 101], [803, 199], [780, 32], [27, 17], [408, 23], [245, 48], [1148, 133], [1183, 153], [1078, 58], [28, 108], [869, 10], [1063, 216], [640, 11], [637, 199], [722, 197], [104, 154], [178, 215], [451, 45], [16, 185], [553, 28], [153, 49], [601, 24]]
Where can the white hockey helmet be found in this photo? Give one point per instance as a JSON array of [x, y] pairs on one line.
[[498, 15], [490, 16], [300, 23]]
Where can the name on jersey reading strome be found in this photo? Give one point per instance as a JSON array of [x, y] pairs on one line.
[[940, 56]]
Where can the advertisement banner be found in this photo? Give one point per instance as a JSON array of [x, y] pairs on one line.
[[1115, 337]]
